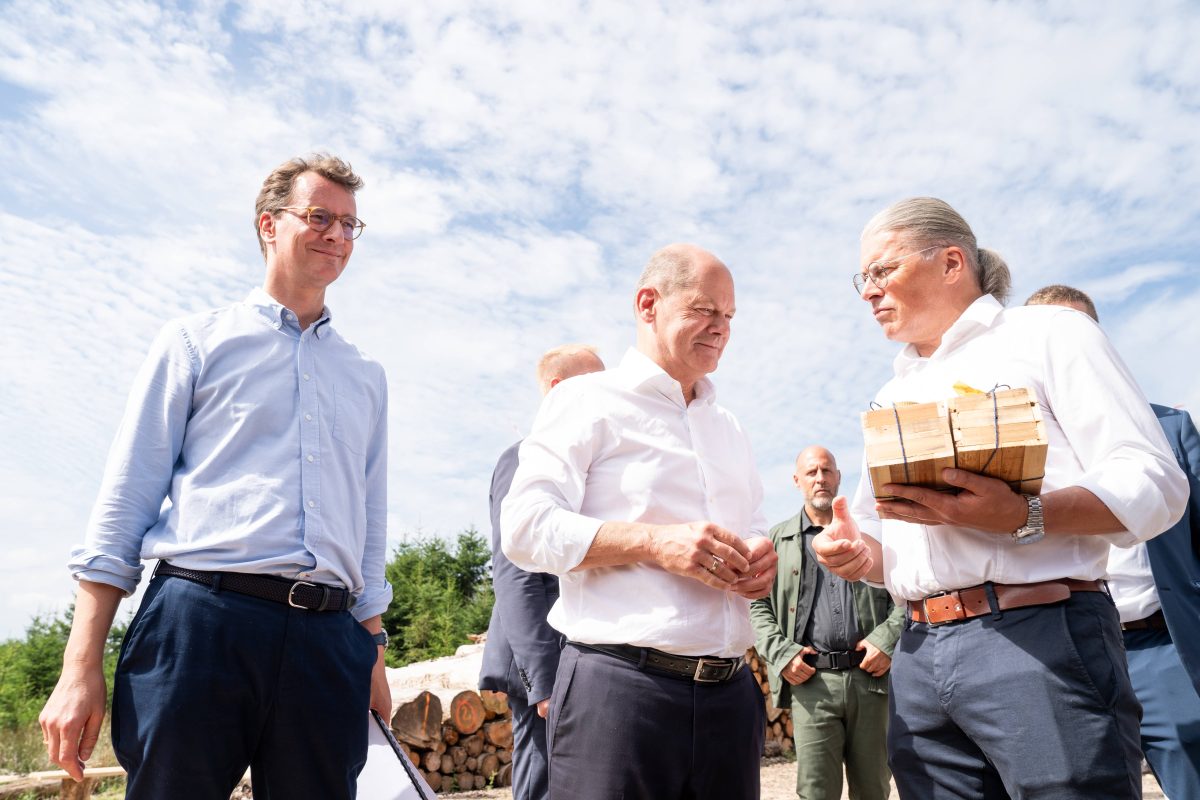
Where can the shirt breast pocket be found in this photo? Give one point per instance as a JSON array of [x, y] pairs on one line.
[[351, 425]]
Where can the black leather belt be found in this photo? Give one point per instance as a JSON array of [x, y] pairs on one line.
[[841, 659], [297, 594], [1154, 622], [701, 669]]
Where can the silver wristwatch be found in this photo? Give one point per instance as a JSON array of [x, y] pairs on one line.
[[1034, 529]]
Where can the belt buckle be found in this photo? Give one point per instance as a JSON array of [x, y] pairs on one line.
[[701, 663], [959, 615], [292, 590], [841, 659]]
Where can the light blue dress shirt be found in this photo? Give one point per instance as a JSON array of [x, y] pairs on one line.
[[249, 445]]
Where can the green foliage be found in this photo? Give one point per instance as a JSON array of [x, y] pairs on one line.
[[441, 594], [29, 669]]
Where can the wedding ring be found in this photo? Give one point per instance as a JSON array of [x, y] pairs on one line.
[[713, 567]]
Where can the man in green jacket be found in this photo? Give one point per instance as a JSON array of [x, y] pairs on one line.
[[828, 646]]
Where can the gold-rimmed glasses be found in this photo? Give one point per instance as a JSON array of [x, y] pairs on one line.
[[878, 271], [322, 219]]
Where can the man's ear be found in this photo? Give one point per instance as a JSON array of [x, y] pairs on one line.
[[266, 227], [955, 264], [645, 302]]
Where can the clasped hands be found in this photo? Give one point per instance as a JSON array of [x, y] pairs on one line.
[[983, 503], [706, 552], [875, 662]]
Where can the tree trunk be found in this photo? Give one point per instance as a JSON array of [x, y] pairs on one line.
[[499, 733], [467, 712], [419, 721]]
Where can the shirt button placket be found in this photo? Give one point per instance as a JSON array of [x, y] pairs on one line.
[[310, 439]]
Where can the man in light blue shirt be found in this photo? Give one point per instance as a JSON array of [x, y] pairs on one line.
[[259, 641]]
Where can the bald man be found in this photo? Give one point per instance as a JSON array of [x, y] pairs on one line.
[[521, 654], [828, 646], [641, 494]]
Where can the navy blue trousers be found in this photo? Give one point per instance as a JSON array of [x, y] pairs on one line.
[[617, 733], [530, 772], [1034, 705], [211, 682], [1170, 712]]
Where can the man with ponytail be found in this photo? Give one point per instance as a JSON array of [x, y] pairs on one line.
[[1009, 679]]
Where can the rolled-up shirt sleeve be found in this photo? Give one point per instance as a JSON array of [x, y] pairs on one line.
[[541, 527], [377, 592], [1127, 461], [140, 464]]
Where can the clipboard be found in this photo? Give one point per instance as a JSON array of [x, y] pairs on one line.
[[388, 773]]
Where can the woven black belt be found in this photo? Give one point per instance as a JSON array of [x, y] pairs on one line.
[[701, 669], [840, 659], [1154, 622], [297, 594]]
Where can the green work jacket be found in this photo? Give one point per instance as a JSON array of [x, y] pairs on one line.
[[774, 616]]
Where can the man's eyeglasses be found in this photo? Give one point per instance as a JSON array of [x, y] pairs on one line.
[[321, 220], [878, 271]]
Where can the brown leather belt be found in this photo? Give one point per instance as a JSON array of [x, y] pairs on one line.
[[1154, 622], [960, 604]]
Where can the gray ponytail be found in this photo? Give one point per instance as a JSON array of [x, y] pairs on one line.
[[928, 221]]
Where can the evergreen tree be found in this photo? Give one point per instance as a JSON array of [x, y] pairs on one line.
[[440, 595]]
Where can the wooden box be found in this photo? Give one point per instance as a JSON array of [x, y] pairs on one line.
[[913, 452], [1003, 437]]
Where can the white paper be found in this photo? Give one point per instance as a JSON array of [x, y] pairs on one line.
[[384, 777]]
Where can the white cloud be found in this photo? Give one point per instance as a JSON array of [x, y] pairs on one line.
[[522, 160]]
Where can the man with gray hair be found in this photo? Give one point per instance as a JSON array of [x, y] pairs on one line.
[[1009, 678], [1156, 586], [259, 641], [521, 653], [641, 494]]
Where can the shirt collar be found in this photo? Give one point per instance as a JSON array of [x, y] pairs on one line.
[[637, 370], [272, 311], [974, 320], [798, 525]]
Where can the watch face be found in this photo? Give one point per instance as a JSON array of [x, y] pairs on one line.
[[1029, 535]]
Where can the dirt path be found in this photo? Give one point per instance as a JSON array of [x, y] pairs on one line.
[[778, 783]]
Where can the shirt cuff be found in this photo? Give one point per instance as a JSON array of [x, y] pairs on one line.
[[99, 568], [372, 603]]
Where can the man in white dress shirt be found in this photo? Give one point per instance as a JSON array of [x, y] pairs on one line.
[[641, 494], [1156, 586], [1009, 679]]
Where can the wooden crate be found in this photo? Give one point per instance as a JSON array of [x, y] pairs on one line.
[[1004, 438], [914, 452]]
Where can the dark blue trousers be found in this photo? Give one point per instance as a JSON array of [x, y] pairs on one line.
[[1170, 712], [211, 682], [617, 733], [1035, 705], [530, 772]]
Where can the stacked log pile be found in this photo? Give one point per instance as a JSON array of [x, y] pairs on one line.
[[778, 739], [461, 739], [463, 744]]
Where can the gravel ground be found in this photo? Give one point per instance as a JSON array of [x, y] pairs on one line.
[[779, 783]]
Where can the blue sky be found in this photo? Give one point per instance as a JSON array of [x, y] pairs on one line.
[[521, 161]]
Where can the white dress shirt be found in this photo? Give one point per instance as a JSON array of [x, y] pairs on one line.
[[1102, 436], [623, 445], [1131, 582]]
